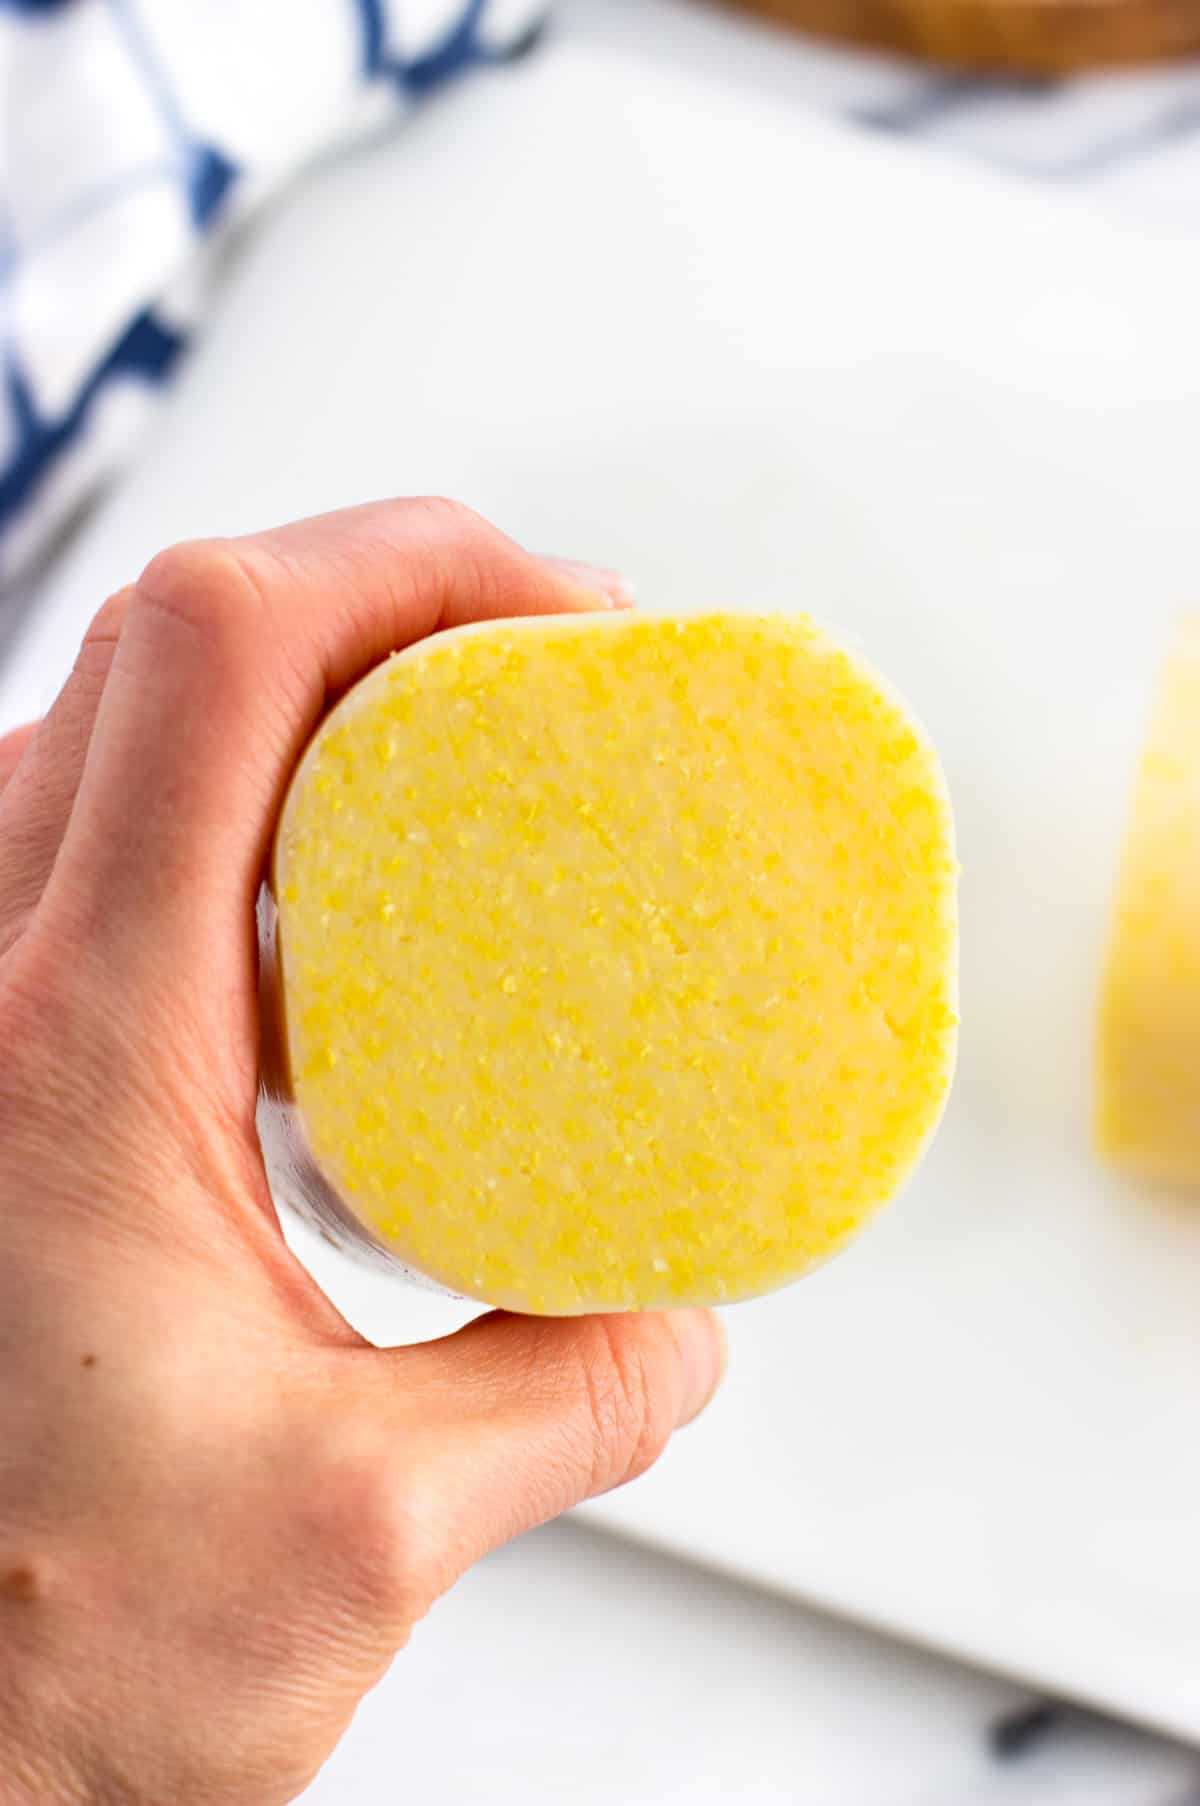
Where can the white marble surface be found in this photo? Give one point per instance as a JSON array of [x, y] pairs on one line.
[[572, 1667]]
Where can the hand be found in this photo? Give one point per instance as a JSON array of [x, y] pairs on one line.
[[221, 1511]]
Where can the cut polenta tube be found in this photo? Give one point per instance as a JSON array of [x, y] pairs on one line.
[[616, 959], [1148, 1102]]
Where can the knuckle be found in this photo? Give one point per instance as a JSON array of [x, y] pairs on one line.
[[629, 1406], [486, 565], [208, 587], [446, 515]]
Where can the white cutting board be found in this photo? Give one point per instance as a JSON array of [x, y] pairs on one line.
[[755, 361]]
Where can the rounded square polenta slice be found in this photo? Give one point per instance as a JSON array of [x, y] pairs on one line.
[[617, 956]]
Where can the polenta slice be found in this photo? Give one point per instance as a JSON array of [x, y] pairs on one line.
[[617, 956], [1148, 1100]]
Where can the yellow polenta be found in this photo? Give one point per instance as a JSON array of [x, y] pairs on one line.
[[1148, 1113], [618, 955]]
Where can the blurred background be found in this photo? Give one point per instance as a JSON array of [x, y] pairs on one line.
[[884, 309]]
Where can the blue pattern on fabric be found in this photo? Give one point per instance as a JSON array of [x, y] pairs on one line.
[[457, 51], [153, 75], [370, 17], [210, 177], [120, 129], [148, 350]]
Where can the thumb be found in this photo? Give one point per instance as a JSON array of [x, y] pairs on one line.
[[515, 1419]]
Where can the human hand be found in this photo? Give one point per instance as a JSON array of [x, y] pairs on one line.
[[221, 1511]]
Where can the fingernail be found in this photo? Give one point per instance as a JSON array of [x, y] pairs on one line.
[[612, 590], [704, 1351]]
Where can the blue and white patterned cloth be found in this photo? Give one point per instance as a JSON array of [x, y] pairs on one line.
[[133, 134]]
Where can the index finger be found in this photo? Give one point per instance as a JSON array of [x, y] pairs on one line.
[[229, 654]]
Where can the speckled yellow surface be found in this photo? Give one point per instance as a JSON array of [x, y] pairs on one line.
[[618, 955], [1148, 1106]]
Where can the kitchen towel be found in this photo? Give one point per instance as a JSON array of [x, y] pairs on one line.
[[133, 135]]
